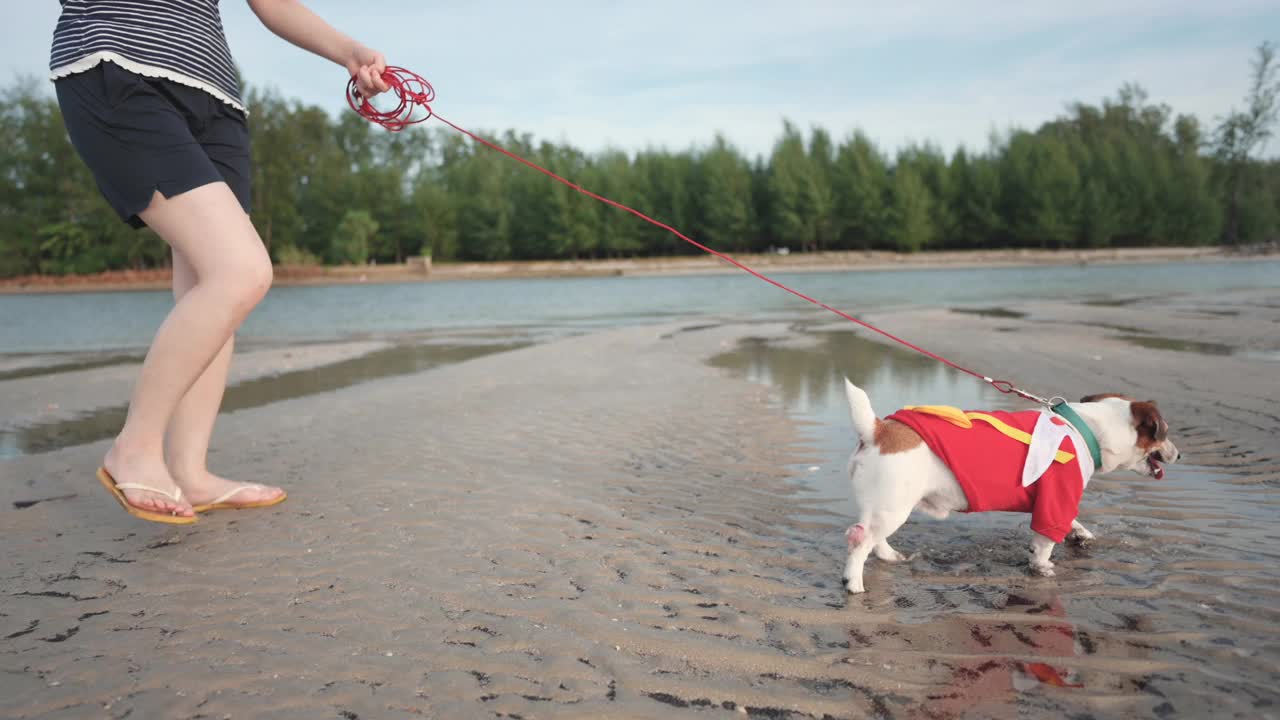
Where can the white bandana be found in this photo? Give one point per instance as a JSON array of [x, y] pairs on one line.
[[1046, 438]]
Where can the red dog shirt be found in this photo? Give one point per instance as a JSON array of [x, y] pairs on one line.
[[988, 457]]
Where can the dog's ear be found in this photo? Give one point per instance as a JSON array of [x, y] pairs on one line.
[[1147, 421]]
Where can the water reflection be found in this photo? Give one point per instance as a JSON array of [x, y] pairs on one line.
[[808, 374], [806, 370], [989, 663]]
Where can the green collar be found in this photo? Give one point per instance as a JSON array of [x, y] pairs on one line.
[[1079, 424]]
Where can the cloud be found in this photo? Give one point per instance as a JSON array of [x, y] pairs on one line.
[[666, 73]]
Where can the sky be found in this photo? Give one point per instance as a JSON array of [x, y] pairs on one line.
[[663, 74]]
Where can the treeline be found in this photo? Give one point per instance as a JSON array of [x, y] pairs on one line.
[[338, 190]]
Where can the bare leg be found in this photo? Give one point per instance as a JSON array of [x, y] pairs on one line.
[[191, 426], [1041, 548], [210, 229]]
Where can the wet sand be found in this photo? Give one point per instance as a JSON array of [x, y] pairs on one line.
[[621, 524]]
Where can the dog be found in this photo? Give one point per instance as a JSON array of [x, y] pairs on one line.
[[1033, 461]]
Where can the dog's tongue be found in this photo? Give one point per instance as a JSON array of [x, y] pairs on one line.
[[1157, 472]]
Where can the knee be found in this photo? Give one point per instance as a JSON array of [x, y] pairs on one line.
[[248, 283], [261, 278]]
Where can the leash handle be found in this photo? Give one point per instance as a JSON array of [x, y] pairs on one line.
[[411, 91]]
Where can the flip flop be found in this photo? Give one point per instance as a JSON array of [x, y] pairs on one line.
[[220, 502], [169, 519]]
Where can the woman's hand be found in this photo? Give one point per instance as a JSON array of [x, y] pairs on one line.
[[293, 21], [366, 65]]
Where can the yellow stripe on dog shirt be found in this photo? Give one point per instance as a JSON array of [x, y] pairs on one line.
[[959, 418]]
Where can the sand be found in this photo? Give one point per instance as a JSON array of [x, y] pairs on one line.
[[609, 526]]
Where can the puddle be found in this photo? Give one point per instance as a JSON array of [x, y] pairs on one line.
[[1118, 302], [807, 371], [24, 366], [991, 312], [1165, 343], [398, 360], [1118, 328], [1265, 355]]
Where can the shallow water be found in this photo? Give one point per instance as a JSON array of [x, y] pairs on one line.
[[807, 374], [1171, 612], [102, 423], [42, 323]]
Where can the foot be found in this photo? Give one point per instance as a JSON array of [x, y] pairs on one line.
[[203, 487], [1080, 537], [1042, 569], [885, 553], [142, 469]]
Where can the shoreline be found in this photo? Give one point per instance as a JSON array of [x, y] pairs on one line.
[[844, 261]]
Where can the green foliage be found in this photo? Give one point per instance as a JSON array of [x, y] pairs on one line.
[[860, 185], [910, 226], [1248, 209], [722, 196], [352, 238], [338, 190], [292, 255], [799, 194]]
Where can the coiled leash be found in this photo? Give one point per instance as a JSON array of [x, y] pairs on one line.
[[413, 97]]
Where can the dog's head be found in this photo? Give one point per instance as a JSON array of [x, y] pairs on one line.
[[1132, 433]]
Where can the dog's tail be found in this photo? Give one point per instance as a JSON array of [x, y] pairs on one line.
[[860, 411]]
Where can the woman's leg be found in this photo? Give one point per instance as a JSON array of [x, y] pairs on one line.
[[233, 272], [191, 427]]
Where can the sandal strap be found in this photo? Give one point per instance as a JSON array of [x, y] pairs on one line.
[[232, 493], [175, 496]]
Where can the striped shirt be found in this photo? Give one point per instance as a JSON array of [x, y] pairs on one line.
[[179, 40]]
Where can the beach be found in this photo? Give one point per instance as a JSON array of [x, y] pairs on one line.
[[621, 523]]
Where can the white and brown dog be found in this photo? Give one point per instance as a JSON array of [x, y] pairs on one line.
[[941, 459]]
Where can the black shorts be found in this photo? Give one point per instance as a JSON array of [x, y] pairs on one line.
[[139, 135]]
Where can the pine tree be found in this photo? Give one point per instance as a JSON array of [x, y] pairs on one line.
[[724, 198], [911, 212], [860, 182]]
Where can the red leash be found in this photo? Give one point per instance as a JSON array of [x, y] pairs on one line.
[[413, 92]]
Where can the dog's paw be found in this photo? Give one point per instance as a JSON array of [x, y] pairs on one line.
[[854, 590], [898, 557], [1043, 570], [1080, 541], [1081, 538], [893, 556]]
